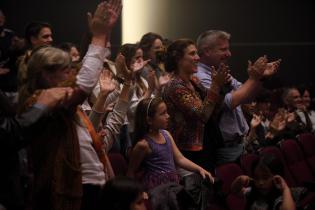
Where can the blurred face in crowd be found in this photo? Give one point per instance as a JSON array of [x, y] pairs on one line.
[[156, 46], [75, 55], [264, 108], [306, 99], [219, 53], [44, 38], [263, 180], [188, 63], [294, 99]]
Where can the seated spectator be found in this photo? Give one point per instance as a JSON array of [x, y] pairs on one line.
[[266, 189], [123, 193], [307, 115]]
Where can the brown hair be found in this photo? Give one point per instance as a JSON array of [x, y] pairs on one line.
[[147, 41], [145, 109], [175, 52]]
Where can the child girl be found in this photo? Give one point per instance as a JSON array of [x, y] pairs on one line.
[[267, 189], [154, 148]]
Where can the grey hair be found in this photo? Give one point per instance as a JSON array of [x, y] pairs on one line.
[[208, 39], [285, 94], [47, 59], [44, 58]]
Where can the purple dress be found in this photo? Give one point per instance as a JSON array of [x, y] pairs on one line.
[[159, 167]]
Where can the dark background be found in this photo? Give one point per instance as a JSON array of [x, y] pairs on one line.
[[277, 28]]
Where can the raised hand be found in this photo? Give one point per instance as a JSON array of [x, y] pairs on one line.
[[114, 9], [104, 17], [139, 65], [107, 85], [151, 79], [122, 69]]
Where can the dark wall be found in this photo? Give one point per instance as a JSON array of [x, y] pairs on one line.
[[68, 17], [278, 28]]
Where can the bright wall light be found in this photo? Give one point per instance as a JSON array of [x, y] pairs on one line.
[[142, 16]]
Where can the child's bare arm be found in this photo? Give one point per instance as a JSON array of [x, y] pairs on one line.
[[185, 163], [288, 202]]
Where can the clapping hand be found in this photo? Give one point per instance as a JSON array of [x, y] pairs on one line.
[[151, 79], [122, 69], [221, 75], [271, 68], [256, 69], [262, 69]]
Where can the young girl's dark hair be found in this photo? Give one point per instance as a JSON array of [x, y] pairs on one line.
[[275, 166], [120, 192], [175, 52], [145, 109]]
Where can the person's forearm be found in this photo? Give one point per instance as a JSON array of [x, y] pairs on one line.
[[91, 68], [16, 126], [288, 202], [100, 102], [185, 163], [114, 121], [124, 94], [31, 115], [99, 40], [245, 93]]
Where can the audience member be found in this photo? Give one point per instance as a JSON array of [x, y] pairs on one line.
[[214, 49]]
